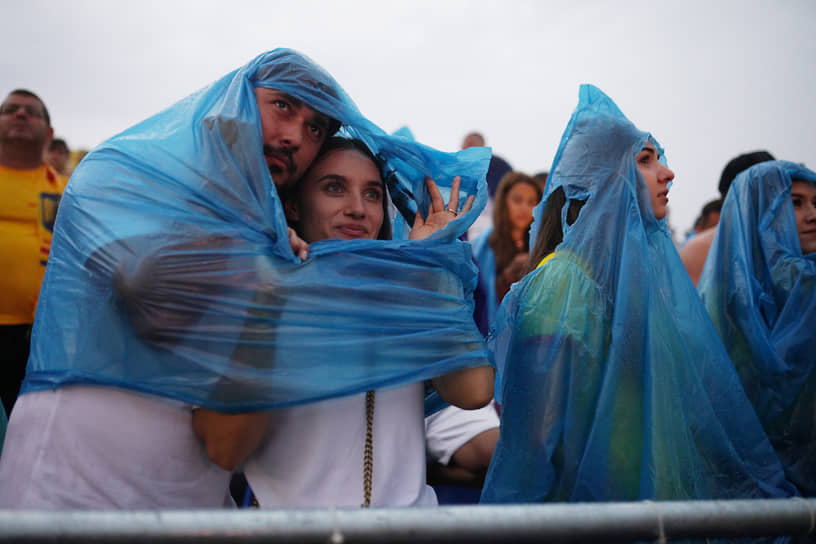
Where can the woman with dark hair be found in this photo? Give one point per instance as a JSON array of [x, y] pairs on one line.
[[759, 286], [367, 449], [612, 381], [502, 251]]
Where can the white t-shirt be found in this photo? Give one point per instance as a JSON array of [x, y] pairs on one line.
[[312, 456], [450, 428], [83, 447]]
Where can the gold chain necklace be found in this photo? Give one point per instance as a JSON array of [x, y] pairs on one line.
[[368, 453]]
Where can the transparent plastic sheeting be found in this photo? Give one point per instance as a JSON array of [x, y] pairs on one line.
[[761, 294], [3, 422], [171, 271], [486, 262], [614, 383]]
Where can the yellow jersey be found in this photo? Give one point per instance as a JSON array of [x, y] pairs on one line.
[[28, 209]]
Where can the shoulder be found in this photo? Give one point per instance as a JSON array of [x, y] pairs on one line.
[[695, 252], [559, 292]]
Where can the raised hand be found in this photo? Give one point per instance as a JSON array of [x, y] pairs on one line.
[[439, 215]]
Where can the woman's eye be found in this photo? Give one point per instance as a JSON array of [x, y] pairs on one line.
[[373, 194], [334, 188], [797, 202], [280, 104]]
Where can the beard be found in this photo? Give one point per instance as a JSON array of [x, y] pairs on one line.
[[284, 155]]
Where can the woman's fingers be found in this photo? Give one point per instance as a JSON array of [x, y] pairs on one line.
[[453, 204], [468, 204], [437, 202], [418, 221]]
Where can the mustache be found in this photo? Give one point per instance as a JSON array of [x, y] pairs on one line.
[[282, 153]]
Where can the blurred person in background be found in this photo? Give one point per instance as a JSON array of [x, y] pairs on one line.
[[502, 251], [28, 208], [495, 172], [57, 156], [694, 252]]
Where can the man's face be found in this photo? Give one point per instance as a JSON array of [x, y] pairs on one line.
[[292, 134], [473, 140], [57, 158], [22, 120]]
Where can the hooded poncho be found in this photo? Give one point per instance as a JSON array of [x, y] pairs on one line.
[[761, 294], [171, 271], [614, 385]]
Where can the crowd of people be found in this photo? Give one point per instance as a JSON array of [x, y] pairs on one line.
[[259, 281]]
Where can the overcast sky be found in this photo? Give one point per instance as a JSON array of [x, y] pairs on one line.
[[709, 79]]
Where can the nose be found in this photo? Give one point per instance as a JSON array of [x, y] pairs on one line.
[[292, 133], [810, 213], [666, 174], [355, 207]]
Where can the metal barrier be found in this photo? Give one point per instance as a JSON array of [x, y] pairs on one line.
[[584, 522]]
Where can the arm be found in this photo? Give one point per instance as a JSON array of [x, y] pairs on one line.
[[467, 388], [229, 438], [512, 273]]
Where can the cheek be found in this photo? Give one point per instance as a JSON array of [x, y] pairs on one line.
[[376, 215], [306, 154]]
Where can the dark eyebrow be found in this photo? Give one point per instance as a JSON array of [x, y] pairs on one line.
[[333, 177], [296, 102], [322, 120]]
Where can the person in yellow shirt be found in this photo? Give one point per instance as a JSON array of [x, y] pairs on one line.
[[29, 195]]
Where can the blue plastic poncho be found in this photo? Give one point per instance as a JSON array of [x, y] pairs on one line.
[[3, 422], [761, 294], [614, 385], [485, 259], [171, 272]]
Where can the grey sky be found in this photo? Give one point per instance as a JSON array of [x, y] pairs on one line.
[[709, 79]]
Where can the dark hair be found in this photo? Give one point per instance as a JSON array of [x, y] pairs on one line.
[[26, 92], [501, 238], [551, 231], [58, 143], [338, 143], [738, 164], [711, 207]]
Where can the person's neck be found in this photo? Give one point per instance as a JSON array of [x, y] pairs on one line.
[[17, 158], [517, 235]]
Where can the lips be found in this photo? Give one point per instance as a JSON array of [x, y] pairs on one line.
[[278, 160], [352, 230]]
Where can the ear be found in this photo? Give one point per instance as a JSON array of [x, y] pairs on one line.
[[48, 139], [290, 209]]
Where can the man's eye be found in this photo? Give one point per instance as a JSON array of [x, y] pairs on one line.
[[316, 130], [281, 104]]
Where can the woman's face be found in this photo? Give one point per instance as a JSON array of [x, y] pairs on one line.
[[521, 199], [657, 177], [803, 195], [341, 197]]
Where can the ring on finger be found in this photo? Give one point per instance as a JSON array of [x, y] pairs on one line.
[[454, 212]]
